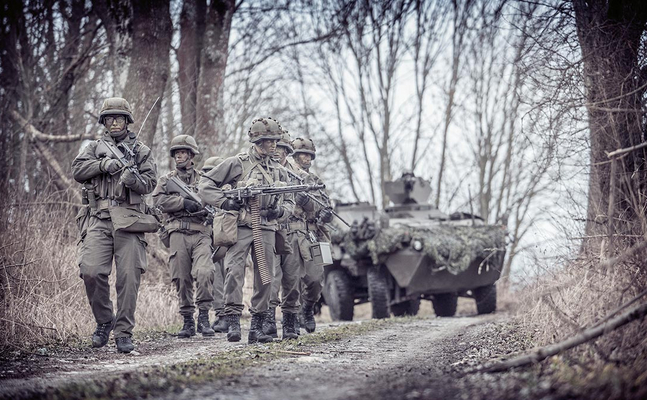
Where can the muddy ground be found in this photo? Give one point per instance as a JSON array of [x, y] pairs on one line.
[[401, 358]]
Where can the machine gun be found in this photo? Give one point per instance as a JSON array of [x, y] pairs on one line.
[[253, 191], [175, 185], [106, 147]]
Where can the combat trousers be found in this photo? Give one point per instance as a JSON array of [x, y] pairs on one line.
[[288, 277], [190, 261], [97, 247], [219, 288], [235, 277], [312, 282]]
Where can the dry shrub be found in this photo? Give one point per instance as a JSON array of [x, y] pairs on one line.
[[42, 297], [561, 304]]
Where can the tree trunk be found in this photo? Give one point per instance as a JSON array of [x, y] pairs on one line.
[[213, 61], [149, 65], [610, 36], [116, 16]]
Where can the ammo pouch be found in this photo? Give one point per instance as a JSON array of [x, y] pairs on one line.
[[282, 244], [225, 228], [133, 221]]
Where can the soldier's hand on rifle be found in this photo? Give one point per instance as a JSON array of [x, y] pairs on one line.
[[232, 205], [110, 165], [128, 178], [301, 199], [326, 215], [192, 206]]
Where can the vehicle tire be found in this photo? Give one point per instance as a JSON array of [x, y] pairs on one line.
[[408, 307], [338, 293], [378, 292], [445, 304], [485, 297]]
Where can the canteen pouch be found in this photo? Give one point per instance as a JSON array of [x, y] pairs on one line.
[[225, 228]]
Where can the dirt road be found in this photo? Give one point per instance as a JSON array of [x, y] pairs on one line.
[[400, 358]]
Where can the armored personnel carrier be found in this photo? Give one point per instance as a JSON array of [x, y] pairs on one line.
[[412, 251]]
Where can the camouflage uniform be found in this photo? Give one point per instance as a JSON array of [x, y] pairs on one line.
[[190, 243], [100, 241], [257, 169]]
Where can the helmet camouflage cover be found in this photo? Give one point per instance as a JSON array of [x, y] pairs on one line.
[[184, 142], [264, 128], [211, 162], [301, 145], [285, 142], [116, 106]]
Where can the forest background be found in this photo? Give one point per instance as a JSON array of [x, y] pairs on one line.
[[513, 109]]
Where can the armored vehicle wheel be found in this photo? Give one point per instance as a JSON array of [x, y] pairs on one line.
[[445, 304], [409, 307], [485, 297], [338, 293], [378, 291]]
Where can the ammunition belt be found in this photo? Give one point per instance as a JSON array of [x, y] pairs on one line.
[[293, 226], [104, 204], [187, 226]]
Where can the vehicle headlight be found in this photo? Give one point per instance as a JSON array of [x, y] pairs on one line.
[[417, 245]]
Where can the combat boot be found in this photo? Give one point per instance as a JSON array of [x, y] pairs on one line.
[[269, 323], [256, 330], [188, 329], [233, 328], [124, 344], [102, 334], [288, 326], [220, 325], [203, 324], [309, 317]]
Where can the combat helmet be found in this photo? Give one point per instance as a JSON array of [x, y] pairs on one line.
[[116, 106], [285, 142], [264, 128], [184, 142], [211, 162], [301, 145]]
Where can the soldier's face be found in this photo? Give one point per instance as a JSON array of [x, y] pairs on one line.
[[304, 160], [181, 156], [114, 123], [267, 146], [282, 153]]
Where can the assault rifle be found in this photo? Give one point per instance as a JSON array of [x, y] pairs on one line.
[[252, 191], [106, 147], [175, 185]]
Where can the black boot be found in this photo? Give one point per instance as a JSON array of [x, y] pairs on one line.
[[309, 317], [188, 329], [220, 325], [203, 324], [288, 326], [269, 323], [124, 344], [101, 335], [256, 330], [233, 330]]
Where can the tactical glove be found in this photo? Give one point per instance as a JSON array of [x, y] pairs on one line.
[[231, 205], [326, 215], [110, 166], [128, 178], [192, 206], [301, 199], [273, 213]]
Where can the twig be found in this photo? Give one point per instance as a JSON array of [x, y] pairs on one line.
[[550, 350], [618, 152], [632, 250], [295, 353]]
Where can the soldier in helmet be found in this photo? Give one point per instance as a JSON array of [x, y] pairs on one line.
[[304, 154], [290, 266], [190, 240], [112, 189], [220, 324], [254, 167]]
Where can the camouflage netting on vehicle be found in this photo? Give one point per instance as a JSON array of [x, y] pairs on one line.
[[450, 247]]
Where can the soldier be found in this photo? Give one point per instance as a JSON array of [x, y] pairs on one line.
[[304, 154], [291, 268], [106, 229], [254, 167], [190, 239], [220, 324]]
